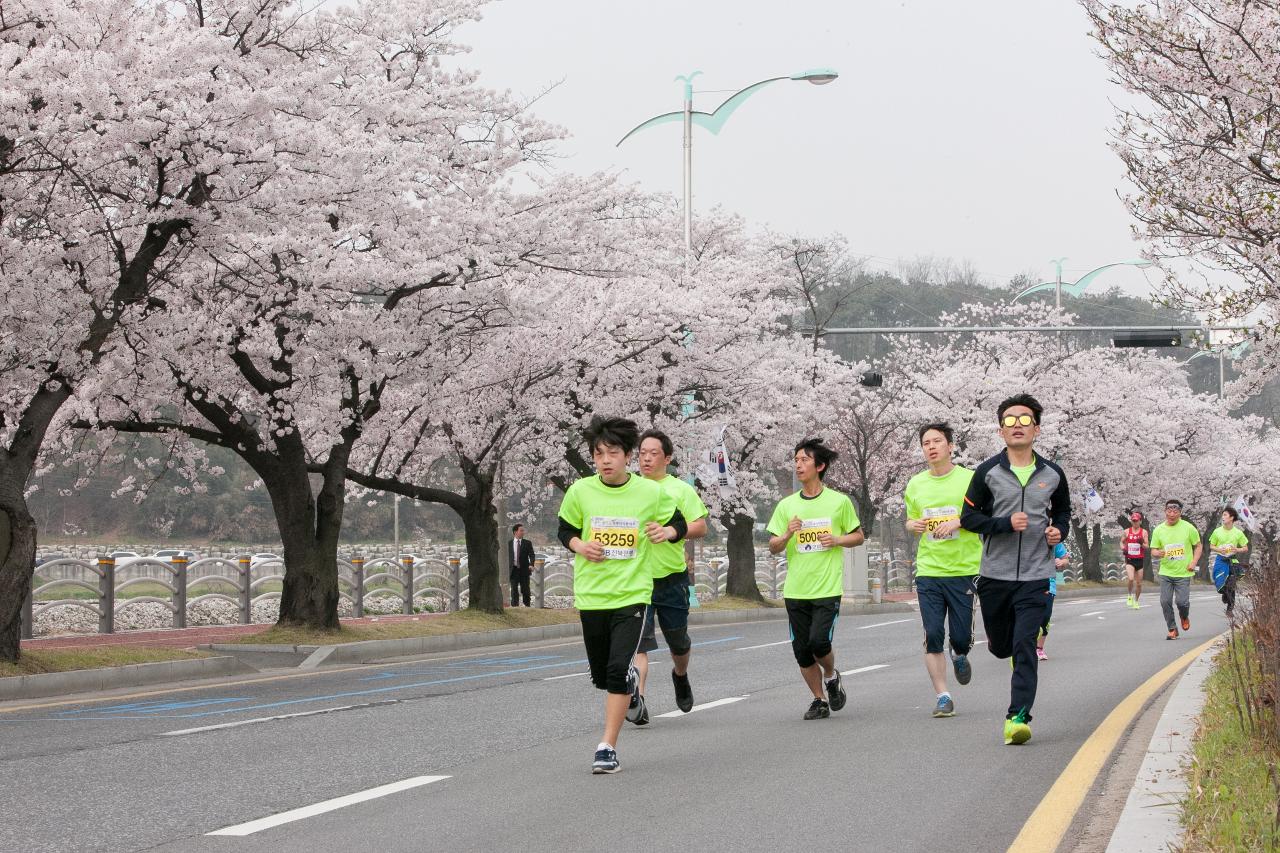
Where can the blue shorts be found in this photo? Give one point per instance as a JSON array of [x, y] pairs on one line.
[[671, 611], [946, 601]]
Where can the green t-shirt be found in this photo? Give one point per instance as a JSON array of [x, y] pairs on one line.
[[668, 557], [1179, 543], [812, 570], [1024, 473], [615, 516], [1234, 537], [939, 499]]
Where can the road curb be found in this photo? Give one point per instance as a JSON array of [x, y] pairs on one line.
[[108, 678], [1151, 820]]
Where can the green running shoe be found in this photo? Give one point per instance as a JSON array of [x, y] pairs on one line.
[[1016, 730]]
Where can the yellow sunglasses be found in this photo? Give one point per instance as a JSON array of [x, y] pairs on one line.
[[1017, 420]]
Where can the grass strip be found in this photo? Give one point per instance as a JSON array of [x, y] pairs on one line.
[[1233, 790], [36, 661]]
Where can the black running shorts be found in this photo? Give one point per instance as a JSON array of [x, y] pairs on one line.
[[611, 638], [813, 625]]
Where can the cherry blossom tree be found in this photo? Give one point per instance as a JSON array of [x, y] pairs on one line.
[[780, 386], [389, 243], [124, 138], [659, 340], [1200, 141]]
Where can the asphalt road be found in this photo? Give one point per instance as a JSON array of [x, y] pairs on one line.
[[511, 731]]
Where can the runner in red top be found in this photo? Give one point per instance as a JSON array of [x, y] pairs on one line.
[[1134, 549]]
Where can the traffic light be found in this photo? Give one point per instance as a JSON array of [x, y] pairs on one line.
[[1146, 338]]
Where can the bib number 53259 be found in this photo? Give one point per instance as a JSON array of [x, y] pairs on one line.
[[619, 536]]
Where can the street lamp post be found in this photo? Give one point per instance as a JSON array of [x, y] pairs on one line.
[[1236, 352], [713, 122]]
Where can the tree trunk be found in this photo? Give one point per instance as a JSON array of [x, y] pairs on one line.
[[740, 543], [1090, 555], [17, 558], [17, 526], [867, 511], [480, 525], [1204, 570], [309, 535]]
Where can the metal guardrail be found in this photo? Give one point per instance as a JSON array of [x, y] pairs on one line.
[[239, 581], [236, 581]]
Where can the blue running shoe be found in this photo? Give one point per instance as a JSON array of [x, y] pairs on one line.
[[606, 761], [945, 707]]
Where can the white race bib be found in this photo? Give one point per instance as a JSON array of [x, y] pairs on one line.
[[619, 536], [807, 541], [934, 516], [1135, 549]]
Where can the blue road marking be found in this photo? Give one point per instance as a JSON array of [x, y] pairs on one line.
[[155, 707]]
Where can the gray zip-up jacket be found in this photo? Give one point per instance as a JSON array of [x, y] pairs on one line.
[[994, 495]]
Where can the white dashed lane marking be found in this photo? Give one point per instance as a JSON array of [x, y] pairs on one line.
[[326, 806]]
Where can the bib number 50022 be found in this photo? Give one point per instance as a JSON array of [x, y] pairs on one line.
[[809, 536]]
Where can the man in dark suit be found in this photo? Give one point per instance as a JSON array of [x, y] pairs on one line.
[[520, 552]]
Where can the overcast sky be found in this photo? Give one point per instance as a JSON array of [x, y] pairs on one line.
[[965, 130]]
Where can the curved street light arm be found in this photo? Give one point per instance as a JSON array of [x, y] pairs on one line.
[[712, 121]]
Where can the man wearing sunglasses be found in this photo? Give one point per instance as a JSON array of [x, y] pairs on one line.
[[1020, 504]]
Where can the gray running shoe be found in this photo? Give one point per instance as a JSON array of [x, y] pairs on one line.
[[960, 663]]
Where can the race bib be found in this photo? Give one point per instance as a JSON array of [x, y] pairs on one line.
[[619, 536], [1175, 552], [807, 537], [935, 516], [1135, 549]]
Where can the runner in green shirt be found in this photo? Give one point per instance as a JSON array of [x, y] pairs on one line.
[[813, 526], [1177, 544], [1228, 542], [670, 607], [947, 560], [611, 522]]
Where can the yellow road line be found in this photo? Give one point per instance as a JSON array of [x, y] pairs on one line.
[[480, 652], [1044, 830]]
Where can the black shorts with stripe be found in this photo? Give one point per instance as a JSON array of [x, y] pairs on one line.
[[611, 638]]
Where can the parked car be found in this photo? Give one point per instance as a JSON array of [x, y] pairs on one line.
[[41, 559], [258, 559], [124, 558], [170, 553]]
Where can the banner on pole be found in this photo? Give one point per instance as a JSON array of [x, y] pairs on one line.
[[721, 468], [1092, 500]]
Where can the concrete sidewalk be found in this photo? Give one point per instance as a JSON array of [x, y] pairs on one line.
[[1151, 820]]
